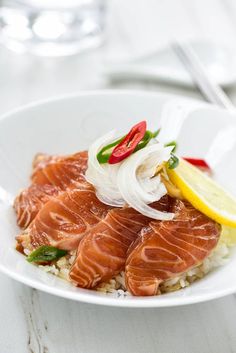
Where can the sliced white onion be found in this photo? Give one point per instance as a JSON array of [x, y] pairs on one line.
[[137, 183], [104, 176], [132, 181]]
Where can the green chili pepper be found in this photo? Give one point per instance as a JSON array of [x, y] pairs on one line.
[[172, 143], [103, 157], [143, 143], [46, 253], [156, 133], [173, 162]]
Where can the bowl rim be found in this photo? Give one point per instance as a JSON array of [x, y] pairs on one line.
[[110, 92], [126, 302]]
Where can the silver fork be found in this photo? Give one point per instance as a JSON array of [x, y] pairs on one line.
[[210, 90]]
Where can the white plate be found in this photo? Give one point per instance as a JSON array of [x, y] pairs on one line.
[[69, 124], [163, 65]]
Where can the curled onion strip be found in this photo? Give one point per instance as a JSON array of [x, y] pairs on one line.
[[132, 181], [103, 176], [138, 184]]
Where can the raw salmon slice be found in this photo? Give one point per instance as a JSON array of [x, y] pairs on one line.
[[30, 201], [168, 249], [51, 174], [63, 220], [62, 172], [42, 159], [103, 250]]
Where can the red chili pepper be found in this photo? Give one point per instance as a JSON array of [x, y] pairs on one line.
[[200, 163], [126, 147]]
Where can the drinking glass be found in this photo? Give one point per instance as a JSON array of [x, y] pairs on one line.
[[52, 27]]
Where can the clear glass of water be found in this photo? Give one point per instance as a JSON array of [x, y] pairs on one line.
[[52, 27]]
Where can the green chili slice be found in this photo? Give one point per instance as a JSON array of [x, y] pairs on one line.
[[103, 157], [173, 162], [143, 143], [156, 133], [46, 253], [172, 143]]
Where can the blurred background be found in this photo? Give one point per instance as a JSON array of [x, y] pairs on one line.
[[49, 48]]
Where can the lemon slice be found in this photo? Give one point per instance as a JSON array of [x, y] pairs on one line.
[[228, 236], [204, 193]]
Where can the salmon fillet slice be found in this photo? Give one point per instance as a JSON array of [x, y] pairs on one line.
[[63, 220], [42, 159], [51, 175], [62, 172], [167, 249], [30, 201], [103, 250]]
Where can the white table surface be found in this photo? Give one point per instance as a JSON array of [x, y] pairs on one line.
[[35, 322]]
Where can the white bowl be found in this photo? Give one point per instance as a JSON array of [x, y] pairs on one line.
[[71, 123]]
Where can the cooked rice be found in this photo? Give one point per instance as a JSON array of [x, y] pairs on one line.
[[62, 267], [116, 285]]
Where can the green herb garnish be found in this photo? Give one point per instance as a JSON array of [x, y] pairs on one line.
[[173, 162], [172, 143], [156, 133], [46, 253]]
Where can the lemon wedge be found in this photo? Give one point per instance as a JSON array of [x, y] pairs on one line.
[[228, 236], [204, 193]]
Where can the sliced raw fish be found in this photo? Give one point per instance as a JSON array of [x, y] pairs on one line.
[[63, 220], [51, 175], [167, 249], [103, 250], [28, 203], [42, 159], [62, 172]]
